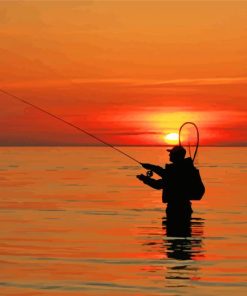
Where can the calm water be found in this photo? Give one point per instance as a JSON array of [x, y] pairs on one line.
[[76, 221]]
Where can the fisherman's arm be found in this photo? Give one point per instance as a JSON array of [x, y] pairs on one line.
[[156, 184], [154, 168]]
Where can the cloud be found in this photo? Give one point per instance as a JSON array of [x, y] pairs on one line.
[[126, 81], [131, 133], [197, 82], [152, 82]]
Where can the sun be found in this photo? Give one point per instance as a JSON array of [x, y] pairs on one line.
[[172, 138]]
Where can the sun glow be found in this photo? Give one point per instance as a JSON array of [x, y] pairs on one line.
[[172, 138]]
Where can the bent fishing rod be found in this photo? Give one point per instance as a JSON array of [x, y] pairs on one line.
[[66, 122]]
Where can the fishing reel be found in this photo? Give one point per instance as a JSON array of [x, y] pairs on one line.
[[149, 174]]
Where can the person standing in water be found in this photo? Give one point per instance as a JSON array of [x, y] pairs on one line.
[[180, 182]]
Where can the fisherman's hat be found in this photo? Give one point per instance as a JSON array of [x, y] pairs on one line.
[[177, 149]]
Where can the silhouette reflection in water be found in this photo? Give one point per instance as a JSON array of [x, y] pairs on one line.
[[179, 245], [183, 242], [183, 236]]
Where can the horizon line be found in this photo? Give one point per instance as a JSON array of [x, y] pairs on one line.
[[121, 145]]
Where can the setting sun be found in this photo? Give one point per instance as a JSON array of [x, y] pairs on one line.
[[172, 138]]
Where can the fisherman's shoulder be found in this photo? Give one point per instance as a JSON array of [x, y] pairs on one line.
[[188, 162], [169, 166]]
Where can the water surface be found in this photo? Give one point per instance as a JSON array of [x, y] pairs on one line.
[[76, 221]]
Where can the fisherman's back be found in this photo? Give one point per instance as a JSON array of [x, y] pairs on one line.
[[176, 185]]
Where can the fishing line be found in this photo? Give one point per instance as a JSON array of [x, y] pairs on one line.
[[189, 150], [197, 134], [67, 122]]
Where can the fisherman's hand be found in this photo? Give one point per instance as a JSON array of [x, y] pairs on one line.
[[141, 177], [147, 166]]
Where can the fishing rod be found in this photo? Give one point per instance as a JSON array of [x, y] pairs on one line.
[[66, 122]]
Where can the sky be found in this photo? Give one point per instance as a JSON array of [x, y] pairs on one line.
[[129, 72]]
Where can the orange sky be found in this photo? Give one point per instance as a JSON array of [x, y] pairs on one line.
[[128, 71]]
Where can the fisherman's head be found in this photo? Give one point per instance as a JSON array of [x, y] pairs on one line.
[[177, 153]]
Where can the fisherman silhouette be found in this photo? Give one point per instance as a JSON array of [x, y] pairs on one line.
[[180, 181]]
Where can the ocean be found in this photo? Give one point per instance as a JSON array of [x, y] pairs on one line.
[[77, 221]]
